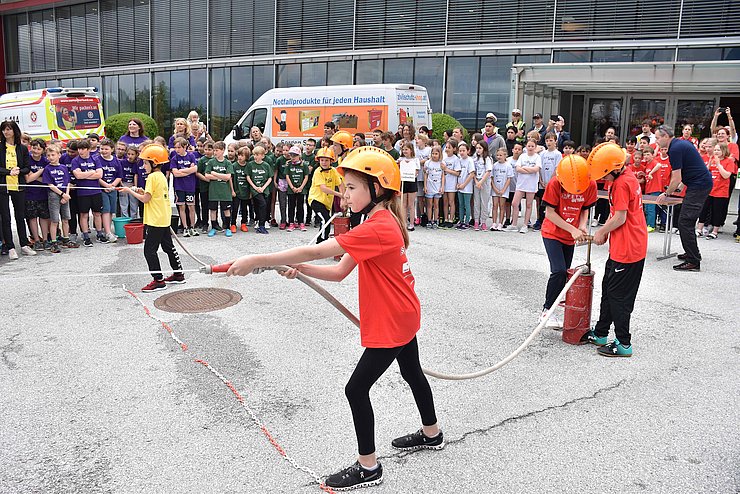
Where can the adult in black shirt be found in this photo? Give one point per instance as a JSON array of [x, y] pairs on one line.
[[688, 168]]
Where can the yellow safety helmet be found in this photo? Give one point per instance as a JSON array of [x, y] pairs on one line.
[[326, 153], [343, 137], [376, 163], [604, 159], [156, 153], [572, 172]]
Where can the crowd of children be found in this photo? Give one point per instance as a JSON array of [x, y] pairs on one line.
[[255, 183]]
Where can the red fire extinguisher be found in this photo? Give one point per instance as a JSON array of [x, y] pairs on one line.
[[578, 300], [341, 225]]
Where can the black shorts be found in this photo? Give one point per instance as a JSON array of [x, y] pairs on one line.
[[410, 187], [510, 197], [183, 197], [37, 209], [539, 193], [87, 203], [213, 205]]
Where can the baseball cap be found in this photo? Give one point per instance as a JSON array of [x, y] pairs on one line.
[[491, 116], [516, 111], [294, 150], [537, 115]]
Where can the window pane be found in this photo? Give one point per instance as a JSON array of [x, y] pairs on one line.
[[179, 93], [143, 93], [10, 33], [313, 74], [652, 55], [24, 44], [198, 92], [96, 82], [339, 73], [731, 53], [220, 97], [533, 58], [398, 71], [241, 93], [110, 95], [611, 56], [66, 83], [495, 89], [289, 75], [263, 78], [462, 89], [428, 72], [126, 93], [161, 102], [368, 72], [572, 56], [692, 54], [79, 82]]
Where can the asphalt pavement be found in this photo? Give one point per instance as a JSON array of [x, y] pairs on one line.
[[97, 397]]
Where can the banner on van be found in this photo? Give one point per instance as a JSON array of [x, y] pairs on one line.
[[76, 113], [309, 121]]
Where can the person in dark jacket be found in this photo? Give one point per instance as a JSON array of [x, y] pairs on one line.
[[14, 165]]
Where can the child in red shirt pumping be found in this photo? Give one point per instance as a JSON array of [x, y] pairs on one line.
[[377, 247], [567, 199], [626, 232]]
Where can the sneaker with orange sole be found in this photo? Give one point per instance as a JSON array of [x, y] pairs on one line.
[[244, 228], [233, 228]]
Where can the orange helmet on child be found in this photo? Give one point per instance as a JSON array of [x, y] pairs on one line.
[[344, 138], [604, 159], [376, 163], [572, 173], [326, 153], [156, 153]]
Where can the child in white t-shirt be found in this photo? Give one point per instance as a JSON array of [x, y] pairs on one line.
[[527, 180], [409, 166], [501, 176], [482, 190], [451, 167], [433, 185], [465, 186], [516, 151]]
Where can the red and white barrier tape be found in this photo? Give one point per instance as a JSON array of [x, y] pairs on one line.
[[262, 427]]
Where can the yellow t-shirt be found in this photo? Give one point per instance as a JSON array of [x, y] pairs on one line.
[[331, 179], [157, 212], [11, 161]]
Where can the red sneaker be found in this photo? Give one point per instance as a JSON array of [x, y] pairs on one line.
[[233, 228], [244, 228], [283, 226], [175, 279], [155, 286]]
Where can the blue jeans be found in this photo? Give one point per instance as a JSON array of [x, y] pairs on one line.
[[464, 213], [651, 210], [560, 257], [110, 201]]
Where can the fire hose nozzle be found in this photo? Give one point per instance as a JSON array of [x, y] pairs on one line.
[[217, 268]]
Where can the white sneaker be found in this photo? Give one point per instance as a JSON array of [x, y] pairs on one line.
[[27, 251], [112, 238], [554, 323], [542, 317], [512, 228], [523, 229], [12, 255]]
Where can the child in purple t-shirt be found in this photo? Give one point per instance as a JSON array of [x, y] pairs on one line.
[[129, 169], [56, 176], [112, 175], [37, 205], [87, 171], [183, 166]]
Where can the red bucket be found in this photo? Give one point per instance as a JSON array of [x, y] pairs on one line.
[[134, 233]]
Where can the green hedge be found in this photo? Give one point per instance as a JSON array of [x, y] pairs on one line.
[[442, 122], [117, 125]]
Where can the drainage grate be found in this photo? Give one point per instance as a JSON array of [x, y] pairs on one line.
[[195, 300]]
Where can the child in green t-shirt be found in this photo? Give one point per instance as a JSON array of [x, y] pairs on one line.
[[259, 177], [241, 186], [296, 175], [220, 188], [203, 183], [281, 158]]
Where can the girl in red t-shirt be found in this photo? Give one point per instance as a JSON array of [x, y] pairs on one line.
[[390, 313], [638, 168], [686, 132], [714, 212], [653, 184], [567, 199]]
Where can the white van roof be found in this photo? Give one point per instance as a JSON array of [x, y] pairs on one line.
[[347, 87], [52, 91]]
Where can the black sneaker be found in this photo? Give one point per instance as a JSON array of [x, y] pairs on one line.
[[102, 239], [682, 257], [88, 242], [686, 266], [354, 477], [418, 440]]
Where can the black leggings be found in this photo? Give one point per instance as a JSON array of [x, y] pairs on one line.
[[295, 208], [373, 364], [156, 236], [18, 197], [240, 205], [259, 203], [560, 257], [322, 212]]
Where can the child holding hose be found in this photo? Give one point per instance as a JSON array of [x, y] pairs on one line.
[[388, 331]]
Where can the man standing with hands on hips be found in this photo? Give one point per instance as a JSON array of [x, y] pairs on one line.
[[688, 168]]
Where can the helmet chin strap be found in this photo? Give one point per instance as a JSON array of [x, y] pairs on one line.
[[373, 196]]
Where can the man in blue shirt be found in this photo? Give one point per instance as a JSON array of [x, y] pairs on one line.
[[688, 168]]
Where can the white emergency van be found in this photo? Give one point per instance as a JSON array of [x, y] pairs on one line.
[[55, 113], [295, 114]]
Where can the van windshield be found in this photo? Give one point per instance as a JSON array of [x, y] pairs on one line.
[[76, 113], [257, 118]]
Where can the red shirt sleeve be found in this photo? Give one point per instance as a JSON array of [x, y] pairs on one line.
[[590, 196], [552, 193], [361, 242]]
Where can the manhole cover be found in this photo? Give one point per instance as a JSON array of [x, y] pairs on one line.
[[195, 300]]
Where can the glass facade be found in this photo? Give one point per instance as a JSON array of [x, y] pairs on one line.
[[218, 56]]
